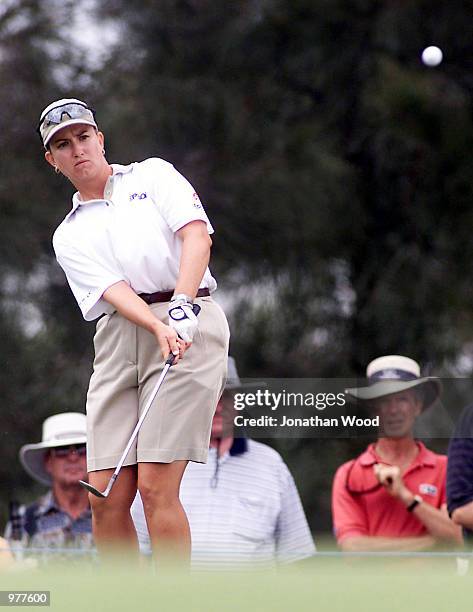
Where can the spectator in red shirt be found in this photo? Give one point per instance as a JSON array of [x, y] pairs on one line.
[[393, 496]]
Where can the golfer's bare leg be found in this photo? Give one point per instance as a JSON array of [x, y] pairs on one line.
[[168, 526], [112, 525]]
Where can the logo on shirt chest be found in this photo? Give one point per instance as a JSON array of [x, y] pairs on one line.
[[428, 489], [138, 196]]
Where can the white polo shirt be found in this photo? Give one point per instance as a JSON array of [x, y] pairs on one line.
[[128, 236], [251, 517]]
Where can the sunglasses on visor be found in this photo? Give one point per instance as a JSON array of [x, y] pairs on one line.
[[72, 110], [65, 451]]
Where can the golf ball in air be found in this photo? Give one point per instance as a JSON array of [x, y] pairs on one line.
[[432, 56]]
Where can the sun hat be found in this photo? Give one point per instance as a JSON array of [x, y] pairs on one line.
[[233, 380], [64, 429], [392, 374], [63, 113]]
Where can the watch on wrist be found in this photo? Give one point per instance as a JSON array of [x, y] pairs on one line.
[[414, 503], [182, 296]]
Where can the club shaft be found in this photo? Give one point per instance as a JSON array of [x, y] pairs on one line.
[[138, 425]]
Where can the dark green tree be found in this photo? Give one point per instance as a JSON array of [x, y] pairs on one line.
[[334, 165], [335, 168], [43, 345]]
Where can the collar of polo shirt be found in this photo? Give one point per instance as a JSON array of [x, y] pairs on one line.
[[76, 201]]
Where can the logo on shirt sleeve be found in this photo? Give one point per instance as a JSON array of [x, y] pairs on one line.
[[196, 201]]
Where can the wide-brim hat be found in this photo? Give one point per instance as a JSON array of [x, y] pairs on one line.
[[67, 117], [233, 381], [392, 374], [64, 429]]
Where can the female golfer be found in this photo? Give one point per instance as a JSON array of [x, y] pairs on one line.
[[135, 248]]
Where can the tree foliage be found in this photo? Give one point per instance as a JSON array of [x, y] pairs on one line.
[[335, 167]]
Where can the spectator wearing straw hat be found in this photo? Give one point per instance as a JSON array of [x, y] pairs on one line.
[[243, 505], [62, 517], [393, 496]]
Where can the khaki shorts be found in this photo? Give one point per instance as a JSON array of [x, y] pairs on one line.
[[127, 364]]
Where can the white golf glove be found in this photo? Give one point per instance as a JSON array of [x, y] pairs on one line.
[[182, 317]]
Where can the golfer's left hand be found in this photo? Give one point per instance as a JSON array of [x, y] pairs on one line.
[[183, 319]]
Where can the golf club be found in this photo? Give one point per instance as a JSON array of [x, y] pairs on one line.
[[112, 480], [167, 365]]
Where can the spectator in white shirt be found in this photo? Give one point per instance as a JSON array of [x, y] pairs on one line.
[[243, 506]]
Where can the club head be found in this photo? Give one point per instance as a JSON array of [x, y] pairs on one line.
[[92, 489]]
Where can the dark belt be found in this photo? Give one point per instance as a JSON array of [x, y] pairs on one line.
[[165, 296]]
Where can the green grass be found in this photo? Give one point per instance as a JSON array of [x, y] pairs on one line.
[[381, 584]]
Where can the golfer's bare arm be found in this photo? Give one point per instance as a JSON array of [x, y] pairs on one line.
[[464, 515], [195, 256], [122, 297]]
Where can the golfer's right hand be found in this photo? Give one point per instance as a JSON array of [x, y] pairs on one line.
[[169, 342]]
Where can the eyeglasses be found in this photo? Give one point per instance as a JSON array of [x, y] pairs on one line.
[[65, 451], [73, 110]]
